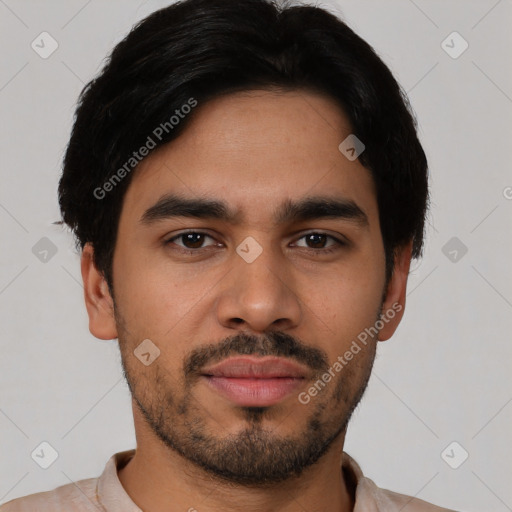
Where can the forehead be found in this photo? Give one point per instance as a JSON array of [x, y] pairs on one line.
[[252, 150]]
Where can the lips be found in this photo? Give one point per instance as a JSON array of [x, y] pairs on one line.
[[256, 367], [255, 381]]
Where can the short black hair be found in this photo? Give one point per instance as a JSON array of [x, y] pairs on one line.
[[196, 50]]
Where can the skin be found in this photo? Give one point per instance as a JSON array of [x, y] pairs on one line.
[[252, 150]]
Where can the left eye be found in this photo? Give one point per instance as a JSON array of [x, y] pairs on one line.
[[314, 240]]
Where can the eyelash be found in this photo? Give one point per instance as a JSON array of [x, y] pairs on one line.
[[339, 243]]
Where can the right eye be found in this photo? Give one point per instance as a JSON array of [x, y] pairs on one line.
[[191, 241]]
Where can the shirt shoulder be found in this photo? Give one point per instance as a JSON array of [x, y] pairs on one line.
[[371, 498], [390, 501], [79, 496], [89, 495]]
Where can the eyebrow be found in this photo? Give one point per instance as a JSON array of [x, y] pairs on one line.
[[308, 208]]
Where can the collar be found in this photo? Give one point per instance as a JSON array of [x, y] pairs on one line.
[[109, 491]]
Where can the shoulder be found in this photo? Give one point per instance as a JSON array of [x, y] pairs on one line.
[[370, 498], [83, 496], [400, 501], [391, 501], [78, 496]]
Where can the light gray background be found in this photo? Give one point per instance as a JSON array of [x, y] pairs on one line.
[[445, 376]]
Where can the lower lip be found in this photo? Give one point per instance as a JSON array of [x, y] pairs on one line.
[[252, 392]]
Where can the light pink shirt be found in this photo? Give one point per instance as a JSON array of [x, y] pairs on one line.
[[106, 494]]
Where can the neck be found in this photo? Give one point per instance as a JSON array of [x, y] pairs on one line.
[[158, 479]]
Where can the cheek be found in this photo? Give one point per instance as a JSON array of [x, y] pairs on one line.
[[347, 301], [138, 293], [154, 296]]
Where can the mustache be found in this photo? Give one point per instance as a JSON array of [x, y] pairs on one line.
[[275, 343]]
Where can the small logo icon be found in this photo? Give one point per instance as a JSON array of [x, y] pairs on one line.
[[249, 249], [44, 250], [44, 45], [44, 455], [351, 147], [146, 352], [454, 249], [454, 45], [454, 455]]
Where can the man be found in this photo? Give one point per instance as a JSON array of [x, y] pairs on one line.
[[247, 189]]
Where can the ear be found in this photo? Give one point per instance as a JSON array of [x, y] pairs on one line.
[[99, 303], [394, 303]]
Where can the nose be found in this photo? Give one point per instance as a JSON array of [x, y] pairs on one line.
[[258, 296]]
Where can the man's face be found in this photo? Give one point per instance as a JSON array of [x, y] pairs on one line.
[[300, 287]]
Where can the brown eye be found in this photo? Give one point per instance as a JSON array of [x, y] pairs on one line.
[[316, 240], [193, 240], [190, 240], [320, 241]]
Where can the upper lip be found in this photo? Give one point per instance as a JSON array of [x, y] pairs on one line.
[[256, 367]]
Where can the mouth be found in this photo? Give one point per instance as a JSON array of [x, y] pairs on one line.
[[255, 381]]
